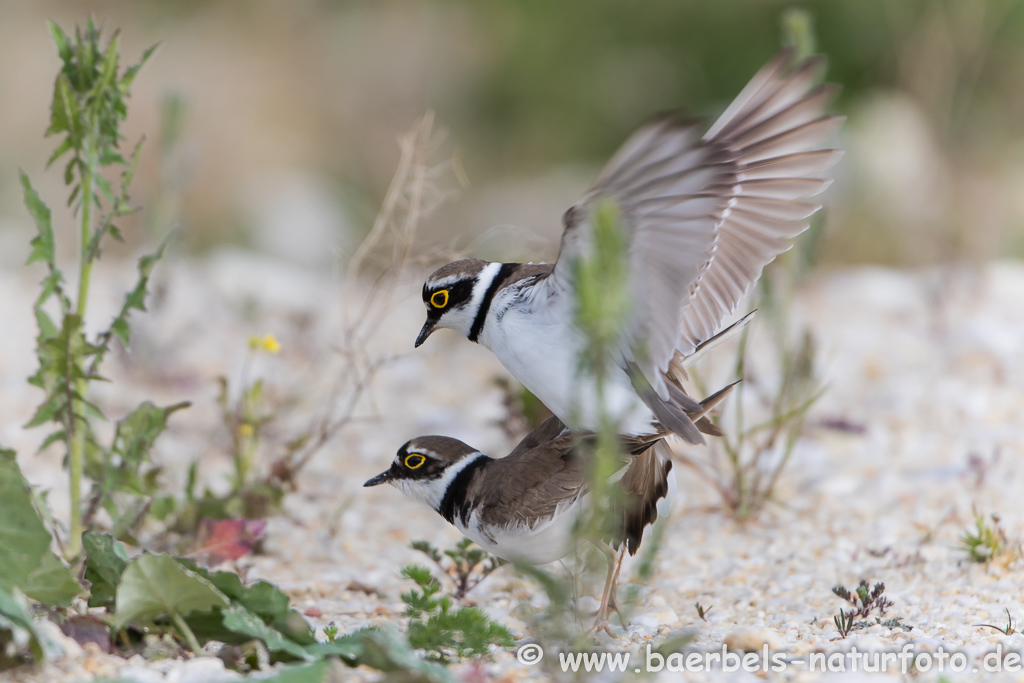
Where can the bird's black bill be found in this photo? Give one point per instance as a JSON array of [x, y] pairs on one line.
[[382, 478], [425, 331]]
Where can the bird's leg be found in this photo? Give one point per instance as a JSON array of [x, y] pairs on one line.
[[614, 590], [607, 595]]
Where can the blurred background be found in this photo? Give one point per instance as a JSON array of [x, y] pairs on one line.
[[273, 125]]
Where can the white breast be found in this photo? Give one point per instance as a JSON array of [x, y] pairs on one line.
[[540, 346]]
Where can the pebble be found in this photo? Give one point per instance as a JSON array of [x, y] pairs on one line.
[[750, 639]]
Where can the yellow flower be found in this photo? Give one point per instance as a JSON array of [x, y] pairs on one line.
[[245, 429], [270, 344], [267, 342]]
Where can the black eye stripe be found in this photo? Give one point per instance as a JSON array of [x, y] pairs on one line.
[[458, 293]]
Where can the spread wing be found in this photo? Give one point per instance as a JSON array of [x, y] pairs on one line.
[[703, 215]]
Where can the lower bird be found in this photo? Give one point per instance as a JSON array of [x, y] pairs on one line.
[[523, 507]]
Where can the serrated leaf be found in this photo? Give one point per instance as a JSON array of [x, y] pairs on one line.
[[57, 154], [119, 328], [46, 412], [136, 433], [60, 40], [23, 537], [105, 188], [132, 71], [157, 585], [59, 435], [105, 562], [43, 244], [108, 69], [65, 114], [52, 583]]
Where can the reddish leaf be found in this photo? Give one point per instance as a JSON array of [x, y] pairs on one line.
[[228, 539]]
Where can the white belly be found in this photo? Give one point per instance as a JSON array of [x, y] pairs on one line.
[[543, 353], [546, 542]]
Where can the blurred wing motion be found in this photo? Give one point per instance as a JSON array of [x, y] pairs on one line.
[[703, 215]]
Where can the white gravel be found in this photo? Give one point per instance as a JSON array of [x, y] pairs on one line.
[[931, 363]]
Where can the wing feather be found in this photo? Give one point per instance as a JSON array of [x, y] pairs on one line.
[[703, 215]]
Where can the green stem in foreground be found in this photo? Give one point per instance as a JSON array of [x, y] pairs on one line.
[[76, 437], [186, 632]]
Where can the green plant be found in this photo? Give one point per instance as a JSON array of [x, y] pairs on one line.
[[89, 105], [701, 612], [602, 308], [864, 600], [467, 566], [252, 494], [1008, 630], [442, 632], [988, 542], [843, 622]]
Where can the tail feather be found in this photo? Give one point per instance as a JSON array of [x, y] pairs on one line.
[[646, 480], [644, 484]]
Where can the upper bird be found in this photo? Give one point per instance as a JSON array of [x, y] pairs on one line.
[[701, 216]]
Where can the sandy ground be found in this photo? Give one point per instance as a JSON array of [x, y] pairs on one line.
[[930, 365]]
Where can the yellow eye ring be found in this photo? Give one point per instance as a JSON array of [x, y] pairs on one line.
[[442, 295], [414, 460]]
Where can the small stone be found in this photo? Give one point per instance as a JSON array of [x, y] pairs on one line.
[[647, 621], [753, 639], [314, 612], [587, 605], [139, 674]]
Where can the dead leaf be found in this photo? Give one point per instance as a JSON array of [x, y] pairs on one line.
[[227, 539]]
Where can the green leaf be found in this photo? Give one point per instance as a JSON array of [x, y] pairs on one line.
[[108, 71], [348, 647], [125, 84], [57, 154], [262, 597], [52, 583], [157, 585], [386, 650], [65, 114], [136, 298], [314, 672], [43, 244], [46, 412], [240, 620], [106, 560], [119, 328], [60, 40], [59, 435], [136, 433], [23, 538], [16, 612]]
